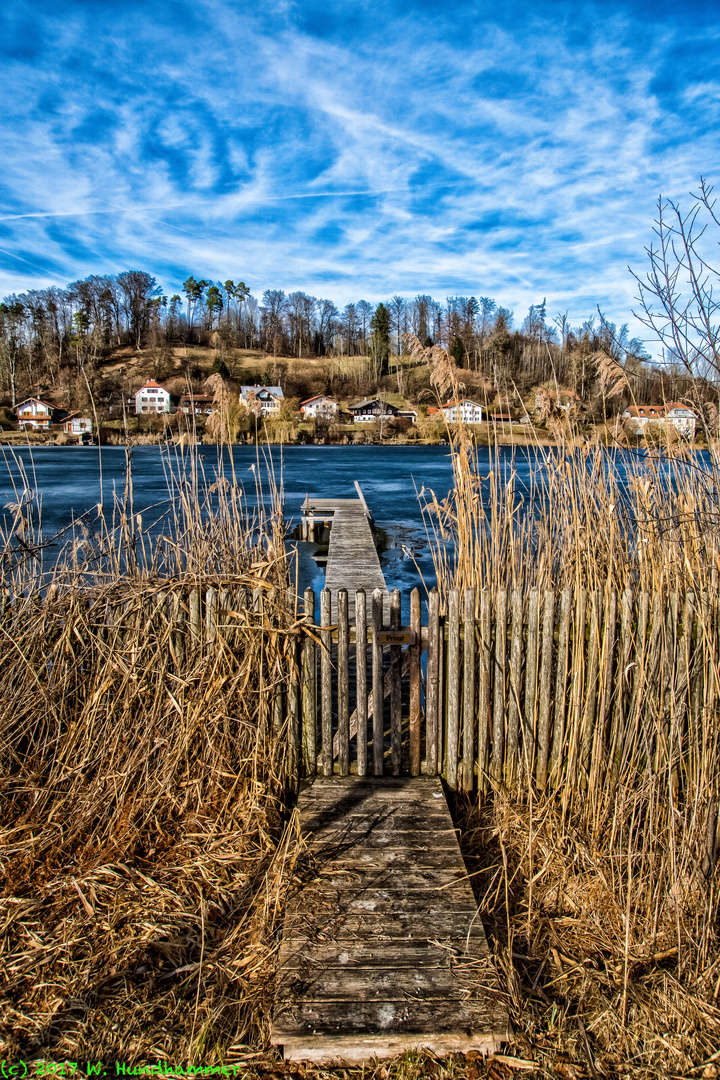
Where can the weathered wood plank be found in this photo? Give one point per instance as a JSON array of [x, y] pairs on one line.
[[365, 953], [388, 926], [353, 561], [383, 948]]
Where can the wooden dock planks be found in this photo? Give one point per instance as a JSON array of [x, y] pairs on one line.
[[353, 561], [383, 950]]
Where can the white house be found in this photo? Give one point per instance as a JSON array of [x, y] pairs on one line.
[[152, 398], [320, 405], [675, 413], [34, 413], [683, 418], [77, 425], [268, 398], [468, 411]]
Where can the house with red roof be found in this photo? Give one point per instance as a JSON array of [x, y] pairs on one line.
[[467, 411], [152, 398], [319, 406], [674, 412]]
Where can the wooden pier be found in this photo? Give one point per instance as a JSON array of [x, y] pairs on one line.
[[353, 561], [383, 949]]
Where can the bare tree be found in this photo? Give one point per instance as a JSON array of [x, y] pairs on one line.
[[676, 297]]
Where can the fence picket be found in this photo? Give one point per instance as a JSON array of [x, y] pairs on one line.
[[309, 691], [395, 687], [326, 683], [177, 637], [377, 676], [514, 703], [361, 680], [195, 616], [602, 733], [531, 673], [546, 659], [453, 690], [498, 734], [561, 674], [484, 687], [432, 686], [468, 716], [416, 629], [293, 700], [343, 682]]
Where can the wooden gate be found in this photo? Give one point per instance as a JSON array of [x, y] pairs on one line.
[[504, 684]]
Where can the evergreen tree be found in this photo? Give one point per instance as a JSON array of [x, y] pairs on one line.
[[380, 341]]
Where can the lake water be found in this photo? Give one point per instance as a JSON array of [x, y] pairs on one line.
[[67, 483]]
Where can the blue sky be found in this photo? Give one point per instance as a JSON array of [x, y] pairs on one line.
[[351, 149]]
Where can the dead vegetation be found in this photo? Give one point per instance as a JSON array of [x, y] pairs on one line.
[[145, 840]]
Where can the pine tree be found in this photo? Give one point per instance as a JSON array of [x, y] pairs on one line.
[[380, 341]]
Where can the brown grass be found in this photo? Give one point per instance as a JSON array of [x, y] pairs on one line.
[[600, 888], [144, 841]]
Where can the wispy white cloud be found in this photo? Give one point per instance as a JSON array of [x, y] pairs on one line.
[[354, 151]]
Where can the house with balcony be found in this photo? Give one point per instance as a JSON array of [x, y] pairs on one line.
[[364, 412], [197, 404], [36, 414], [267, 398]]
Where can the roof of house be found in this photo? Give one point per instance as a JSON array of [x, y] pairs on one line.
[[678, 405], [47, 404], [317, 397], [198, 398], [274, 391], [151, 385], [463, 401], [646, 411], [372, 401]]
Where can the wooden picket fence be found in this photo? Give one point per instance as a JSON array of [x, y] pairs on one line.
[[502, 686], [505, 685]]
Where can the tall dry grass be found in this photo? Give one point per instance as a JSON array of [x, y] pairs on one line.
[[601, 885], [144, 844]]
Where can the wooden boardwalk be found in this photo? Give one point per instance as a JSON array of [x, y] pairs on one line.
[[353, 561], [383, 949]]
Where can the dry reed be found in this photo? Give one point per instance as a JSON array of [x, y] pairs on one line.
[[600, 886], [144, 842]]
